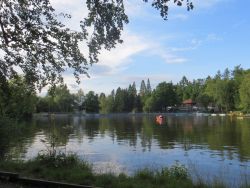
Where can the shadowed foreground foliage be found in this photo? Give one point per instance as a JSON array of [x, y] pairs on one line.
[[69, 168]]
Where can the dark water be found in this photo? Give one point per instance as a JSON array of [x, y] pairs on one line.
[[211, 147]]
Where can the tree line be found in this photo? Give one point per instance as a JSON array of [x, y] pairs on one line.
[[228, 91]]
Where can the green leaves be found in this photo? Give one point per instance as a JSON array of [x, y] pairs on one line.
[[17, 99], [163, 6], [37, 43], [34, 40], [245, 92]]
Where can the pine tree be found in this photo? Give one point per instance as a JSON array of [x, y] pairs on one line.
[[149, 89], [143, 88], [134, 89]]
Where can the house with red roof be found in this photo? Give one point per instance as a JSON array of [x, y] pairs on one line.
[[188, 105]]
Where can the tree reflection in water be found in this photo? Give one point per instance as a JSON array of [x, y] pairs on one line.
[[121, 138]]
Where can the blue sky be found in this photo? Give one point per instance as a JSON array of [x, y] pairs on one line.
[[213, 36]]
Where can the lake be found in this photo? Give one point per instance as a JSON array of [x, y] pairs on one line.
[[211, 147]]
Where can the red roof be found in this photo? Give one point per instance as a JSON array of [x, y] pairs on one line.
[[188, 101]]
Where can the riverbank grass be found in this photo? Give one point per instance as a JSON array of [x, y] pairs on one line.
[[69, 168]]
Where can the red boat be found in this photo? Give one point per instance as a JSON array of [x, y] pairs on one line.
[[159, 119]]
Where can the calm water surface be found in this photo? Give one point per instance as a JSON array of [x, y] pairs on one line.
[[211, 147]]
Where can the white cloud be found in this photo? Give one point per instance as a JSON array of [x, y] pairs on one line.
[[172, 59], [108, 74], [135, 8], [213, 37], [182, 17], [118, 58], [168, 56], [207, 3], [76, 8], [141, 10]]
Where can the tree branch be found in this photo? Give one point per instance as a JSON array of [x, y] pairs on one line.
[[4, 33]]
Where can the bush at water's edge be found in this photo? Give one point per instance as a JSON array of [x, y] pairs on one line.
[[69, 168]]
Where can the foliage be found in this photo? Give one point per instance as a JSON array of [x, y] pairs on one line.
[[222, 90], [226, 92], [34, 39], [203, 99], [164, 95], [148, 88], [61, 98], [91, 103], [143, 88], [149, 104], [67, 168], [43, 104], [17, 98], [184, 89], [58, 99], [80, 172], [103, 104], [178, 171], [245, 92], [107, 104], [121, 100], [79, 99], [58, 160]]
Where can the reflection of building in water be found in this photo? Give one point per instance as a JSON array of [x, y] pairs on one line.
[[187, 126]]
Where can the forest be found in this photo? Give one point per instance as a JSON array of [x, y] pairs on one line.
[[228, 91]]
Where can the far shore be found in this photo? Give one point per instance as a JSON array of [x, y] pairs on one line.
[[189, 113]]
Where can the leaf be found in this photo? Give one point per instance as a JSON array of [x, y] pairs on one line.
[[179, 3]]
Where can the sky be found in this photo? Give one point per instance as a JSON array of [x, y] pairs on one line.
[[214, 36]]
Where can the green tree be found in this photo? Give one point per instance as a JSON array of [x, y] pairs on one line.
[[138, 104], [132, 93], [245, 92], [79, 99], [103, 104], [111, 102], [60, 99], [91, 103], [4, 94], [222, 92], [43, 104], [238, 75], [143, 88], [107, 104], [149, 105], [184, 89], [121, 100], [164, 95], [148, 88], [226, 74], [21, 101], [203, 99]]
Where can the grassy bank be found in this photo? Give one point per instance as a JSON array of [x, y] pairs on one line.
[[73, 170], [70, 169]]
